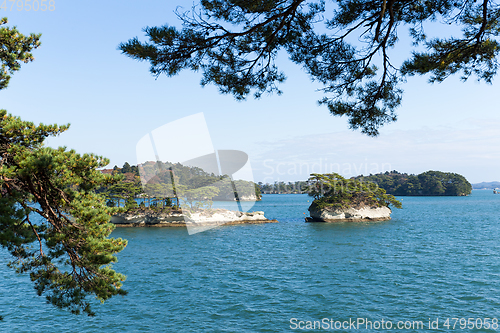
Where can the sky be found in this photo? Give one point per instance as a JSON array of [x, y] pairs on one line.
[[111, 101]]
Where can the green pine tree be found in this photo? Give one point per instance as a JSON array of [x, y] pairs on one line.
[[346, 45], [15, 48], [51, 220]]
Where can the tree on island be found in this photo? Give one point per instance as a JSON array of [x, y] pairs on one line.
[[345, 45], [335, 192], [51, 219], [126, 191], [168, 180], [201, 197]]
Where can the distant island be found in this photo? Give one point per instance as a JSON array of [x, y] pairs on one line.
[[337, 199], [165, 183], [162, 194], [486, 186], [298, 187], [430, 183]]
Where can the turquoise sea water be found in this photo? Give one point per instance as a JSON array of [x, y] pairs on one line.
[[438, 258]]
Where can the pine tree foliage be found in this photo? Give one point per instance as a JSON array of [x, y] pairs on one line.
[[344, 44], [15, 48], [331, 190], [51, 219]]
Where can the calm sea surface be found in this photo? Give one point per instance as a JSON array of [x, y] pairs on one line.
[[438, 258]]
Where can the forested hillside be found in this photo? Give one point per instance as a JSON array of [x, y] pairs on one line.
[[429, 183], [164, 181]]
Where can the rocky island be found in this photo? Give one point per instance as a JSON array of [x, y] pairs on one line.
[[181, 218], [349, 214], [337, 199], [164, 194]]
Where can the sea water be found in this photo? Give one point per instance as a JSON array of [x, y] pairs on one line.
[[436, 260]]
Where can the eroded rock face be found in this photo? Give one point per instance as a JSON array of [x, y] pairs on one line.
[[349, 214], [146, 217], [226, 216], [179, 219]]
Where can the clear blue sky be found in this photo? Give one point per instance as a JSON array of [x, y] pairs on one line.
[[112, 101]]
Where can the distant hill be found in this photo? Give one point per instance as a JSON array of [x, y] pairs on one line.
[[430, 183], [165, 180], [486, 185]]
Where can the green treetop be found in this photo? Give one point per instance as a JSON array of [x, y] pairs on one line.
[[15, 48], [334, 191], [345, 45]]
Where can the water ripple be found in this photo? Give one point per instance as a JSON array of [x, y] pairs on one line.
[[437, 257]]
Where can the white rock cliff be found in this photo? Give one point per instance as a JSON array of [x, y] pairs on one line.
[[180, 219], [349, 214]]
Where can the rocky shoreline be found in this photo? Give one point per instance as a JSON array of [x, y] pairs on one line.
[[349, 214], [179, 218]]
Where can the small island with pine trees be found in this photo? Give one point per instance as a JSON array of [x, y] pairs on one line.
[[173, 194], [162, 194], [337, 199]]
